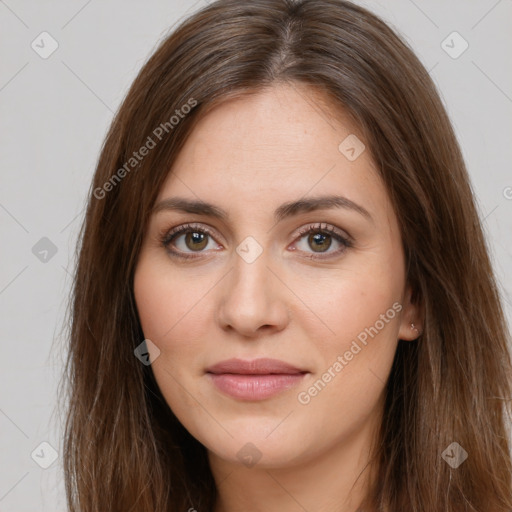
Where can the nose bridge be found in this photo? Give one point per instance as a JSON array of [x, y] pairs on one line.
[[250, 298], [250, 281], [251, 273], [250, 260]]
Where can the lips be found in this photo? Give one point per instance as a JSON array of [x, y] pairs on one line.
[[262, 366], [254, 380]]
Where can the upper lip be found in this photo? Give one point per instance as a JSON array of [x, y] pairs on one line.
[[262, 366]]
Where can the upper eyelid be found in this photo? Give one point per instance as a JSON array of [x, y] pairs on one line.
[[323, 226], [168, 235]]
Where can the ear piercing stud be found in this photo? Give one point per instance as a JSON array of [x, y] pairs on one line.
[[413, 327]]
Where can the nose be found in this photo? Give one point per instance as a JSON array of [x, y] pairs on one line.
[[253, 300]]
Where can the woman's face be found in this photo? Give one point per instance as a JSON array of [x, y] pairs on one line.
[[248, 281]]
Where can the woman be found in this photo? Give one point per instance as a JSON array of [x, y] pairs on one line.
[[283, 298]]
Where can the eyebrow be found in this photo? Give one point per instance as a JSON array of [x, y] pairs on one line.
[[284, 211]]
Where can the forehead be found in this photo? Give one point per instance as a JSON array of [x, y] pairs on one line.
[[282, 142]]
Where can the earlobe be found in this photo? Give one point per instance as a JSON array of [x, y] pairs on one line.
[[411, 323], [416, 330], [409, 332]]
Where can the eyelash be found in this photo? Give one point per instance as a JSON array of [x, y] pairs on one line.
[[169, 236]]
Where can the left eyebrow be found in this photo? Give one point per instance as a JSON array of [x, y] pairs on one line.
[[284, 211], [319, 203]]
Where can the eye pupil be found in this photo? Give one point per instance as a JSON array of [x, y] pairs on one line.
[[199, 240], [318, 241]]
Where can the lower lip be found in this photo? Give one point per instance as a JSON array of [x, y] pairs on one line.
[[254, 387]]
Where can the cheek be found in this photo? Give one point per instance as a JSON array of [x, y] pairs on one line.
[[164, 299], [346, 303], [173, 309], [361, 308], [170, 312], [363, 312]]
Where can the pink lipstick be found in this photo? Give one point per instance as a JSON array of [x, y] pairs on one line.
[[254, 380]]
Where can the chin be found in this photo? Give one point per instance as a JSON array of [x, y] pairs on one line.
[[252, 446], [259, 455]]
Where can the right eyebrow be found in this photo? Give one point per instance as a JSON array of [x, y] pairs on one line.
[[191, 206]]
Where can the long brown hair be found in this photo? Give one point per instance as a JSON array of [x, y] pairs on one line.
[[124, 449]]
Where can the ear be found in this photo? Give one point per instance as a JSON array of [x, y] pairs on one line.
[[411, 316]]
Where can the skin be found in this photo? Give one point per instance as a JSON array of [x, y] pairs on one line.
[[248, 156]]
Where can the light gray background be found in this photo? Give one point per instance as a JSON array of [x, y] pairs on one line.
[[54, 115]]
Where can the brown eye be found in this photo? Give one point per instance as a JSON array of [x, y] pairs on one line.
[[187, 239], [196, 241], [319, 242], [322, 241]]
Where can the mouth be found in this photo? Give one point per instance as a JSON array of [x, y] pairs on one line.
[[254, 380]]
